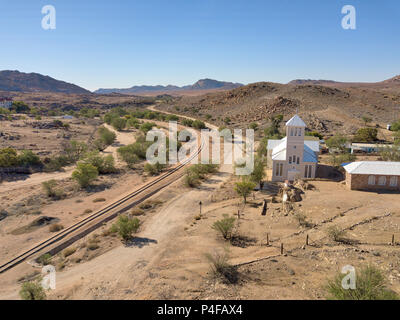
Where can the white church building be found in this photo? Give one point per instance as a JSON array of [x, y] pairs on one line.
[[293, 157]]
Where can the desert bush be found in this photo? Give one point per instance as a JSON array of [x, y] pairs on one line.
[[99, 200], [244, 188], [337, 160], [147, 126], [69, 251], [8, 157], [191, 179], [106, 136], [336, 234], [32, 290], [104, 164], [92, 246], [225, 226], [55, 227], [337, 142], [126, 227], [44, 259], [370, 285], [137, 212], [197, 124], [149, 204], [84, 174], [28, 158], [302, 220], [187, 122], [366, 135], [75, 150], [221, 268], [153, 169], [49, 188], [118, 123]]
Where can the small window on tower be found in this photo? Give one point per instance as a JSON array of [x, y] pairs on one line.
[[290, 159]]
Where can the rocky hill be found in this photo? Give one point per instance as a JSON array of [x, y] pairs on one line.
[[326, 109], [35, 82]]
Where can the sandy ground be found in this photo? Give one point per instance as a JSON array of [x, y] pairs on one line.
[[167, 258], [123, 138]]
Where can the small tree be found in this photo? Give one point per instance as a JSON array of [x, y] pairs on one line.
[[370, 285], [32, 290], [337, 142], [75, 150], [126, 227], [225, 226], [258, 173], [366, 135], [84, 174], [244, 188]]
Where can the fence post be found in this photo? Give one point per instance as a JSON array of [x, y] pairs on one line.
[[307, 240], [393, 240], [281, 248], [267, 239]]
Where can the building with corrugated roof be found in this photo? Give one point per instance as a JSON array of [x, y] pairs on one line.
[[293, 157], [372, 175]]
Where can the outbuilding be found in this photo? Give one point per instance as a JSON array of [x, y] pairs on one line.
[[373, 175]]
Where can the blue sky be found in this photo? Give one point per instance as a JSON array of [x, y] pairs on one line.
[[120, 43]]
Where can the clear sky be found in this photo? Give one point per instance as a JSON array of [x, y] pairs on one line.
[[118, 43]]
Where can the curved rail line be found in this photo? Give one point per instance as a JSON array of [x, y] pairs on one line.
[[62, 234]]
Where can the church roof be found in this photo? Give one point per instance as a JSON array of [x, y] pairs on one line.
[[295, 121]]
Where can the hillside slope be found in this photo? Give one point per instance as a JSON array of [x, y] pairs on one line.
[[35, 82], [325, 109]]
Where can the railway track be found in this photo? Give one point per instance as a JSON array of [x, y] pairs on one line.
[[76, 231]]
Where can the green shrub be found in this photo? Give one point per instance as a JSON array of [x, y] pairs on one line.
[[69, 251], [84, 174], [126, 227], [366, 135], [221, 268], [28, 158], [8, 157], [107, 136], [244, 188], [153, 169], [55, 227], [103, 164], [118, 123], [197, 124], [44, 259], [32, 290], [225, 226], [49, 189], [75, 151], [337, 160], [336, 234], [370, 285], [147, 126]]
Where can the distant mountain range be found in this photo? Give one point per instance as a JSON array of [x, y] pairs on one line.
[[388, 84], [35, 82], [201, 85]]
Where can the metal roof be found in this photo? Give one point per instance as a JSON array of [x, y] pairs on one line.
[[387, 168], [295, 121]]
